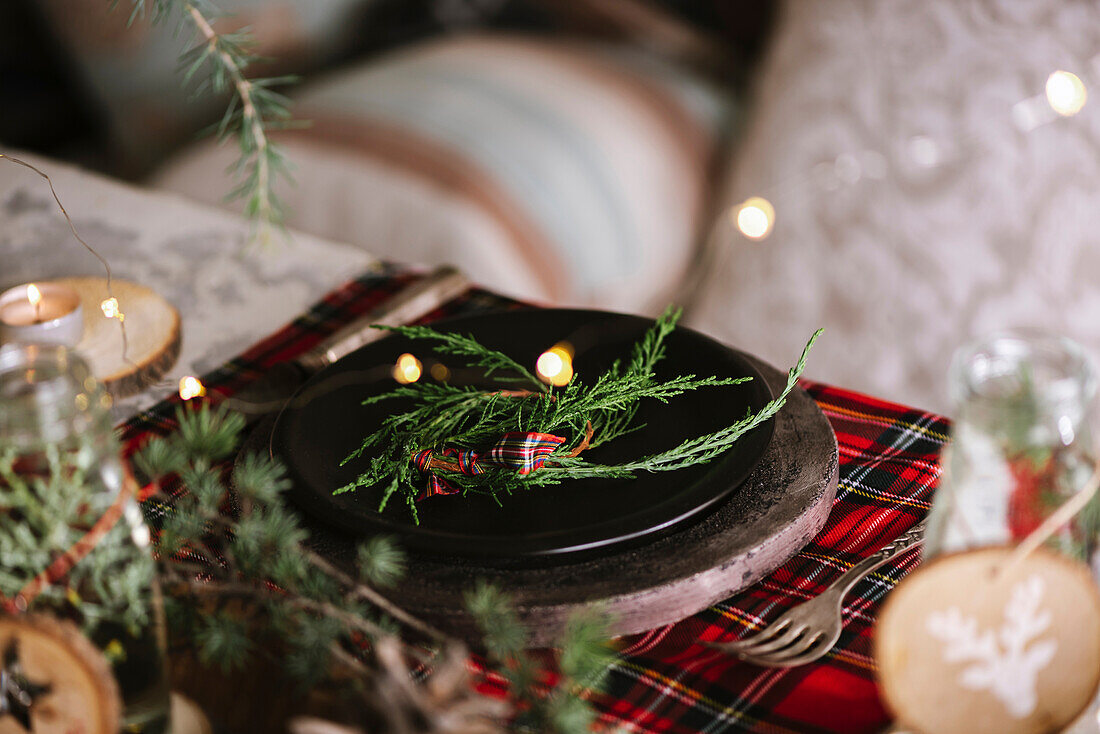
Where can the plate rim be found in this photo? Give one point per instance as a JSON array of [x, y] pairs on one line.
[[414, 537]]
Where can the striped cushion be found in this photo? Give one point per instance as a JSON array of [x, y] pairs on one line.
[[557, 172]]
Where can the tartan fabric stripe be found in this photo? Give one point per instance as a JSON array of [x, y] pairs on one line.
[[666, 681], [520, 452], [524, 452], [671, 683], [435, 485]]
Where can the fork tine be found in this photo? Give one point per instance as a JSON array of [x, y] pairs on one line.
[[820, 645], [803, 643], [762, 635], [776, 643]]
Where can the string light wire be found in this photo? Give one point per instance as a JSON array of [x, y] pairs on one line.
[[89, 248]]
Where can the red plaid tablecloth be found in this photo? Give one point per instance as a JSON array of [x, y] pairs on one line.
[[666, 681]]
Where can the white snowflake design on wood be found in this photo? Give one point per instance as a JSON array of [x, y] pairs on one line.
[[1005, 661]]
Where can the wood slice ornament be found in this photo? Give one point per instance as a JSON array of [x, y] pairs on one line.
[[152, 334], [55, 681], [985, 642]]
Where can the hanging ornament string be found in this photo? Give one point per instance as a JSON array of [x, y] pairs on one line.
[[110, 306], [62, 564]]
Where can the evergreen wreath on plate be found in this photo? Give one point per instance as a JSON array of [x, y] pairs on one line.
[[460, 439]]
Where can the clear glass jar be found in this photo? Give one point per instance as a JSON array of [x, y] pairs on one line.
[[1021, 445], [60, 471]]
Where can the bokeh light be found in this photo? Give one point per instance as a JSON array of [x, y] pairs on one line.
[[1066, 93], [754, 217], [191, 387], [440, 372], [110, 308], [407, 369], [555, 365]]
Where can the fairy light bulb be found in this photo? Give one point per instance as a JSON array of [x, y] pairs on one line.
[[1066, 93], [110, 308], [555, 365], [191, 387], [407, 369], [754, 217]]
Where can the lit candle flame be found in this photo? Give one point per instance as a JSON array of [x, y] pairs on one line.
[[555, 365], [407, 369], [35, 297], [754, 217], [191, 387], [1066, 93]]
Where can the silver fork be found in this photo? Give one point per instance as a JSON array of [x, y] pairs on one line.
[[809, 630]]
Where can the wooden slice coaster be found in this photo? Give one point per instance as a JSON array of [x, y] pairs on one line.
[[55, 681], [152, 333], [974, 645]]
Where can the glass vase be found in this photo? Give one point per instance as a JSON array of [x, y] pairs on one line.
[[1021, 445], [60, 471]]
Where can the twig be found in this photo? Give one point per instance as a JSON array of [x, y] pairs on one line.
[[230, 588], [369, 594]]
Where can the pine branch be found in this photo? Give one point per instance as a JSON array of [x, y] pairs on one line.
[[46, 512], [254, 109], [323, 609], [234, 586], [584, 659]]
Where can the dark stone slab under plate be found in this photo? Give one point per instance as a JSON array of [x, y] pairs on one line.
[[770, 517]]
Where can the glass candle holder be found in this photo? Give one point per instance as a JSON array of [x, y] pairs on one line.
[[1021, 445], [60, 471]]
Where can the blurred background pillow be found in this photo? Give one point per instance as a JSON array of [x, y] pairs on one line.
[[564, 172], [558, 150]]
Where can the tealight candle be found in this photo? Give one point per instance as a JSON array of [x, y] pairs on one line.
[[42, 313]]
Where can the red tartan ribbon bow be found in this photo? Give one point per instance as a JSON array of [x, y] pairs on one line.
[[523, 452]]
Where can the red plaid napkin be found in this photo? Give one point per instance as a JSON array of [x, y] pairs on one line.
[[666, 681]]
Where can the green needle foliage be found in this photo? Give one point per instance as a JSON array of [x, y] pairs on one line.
[[584, 659], [44, 513], [225, 574], [246, 585], [220, 61], [465, 417]]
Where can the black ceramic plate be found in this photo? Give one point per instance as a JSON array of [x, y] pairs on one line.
[[313, 436]]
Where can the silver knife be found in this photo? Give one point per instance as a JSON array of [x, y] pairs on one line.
[[270, 392]]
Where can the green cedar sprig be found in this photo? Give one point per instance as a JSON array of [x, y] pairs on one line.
[[466, 417]]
